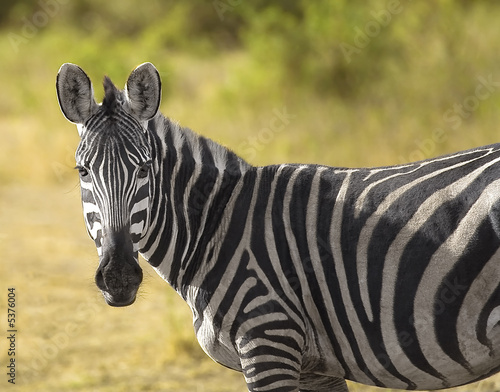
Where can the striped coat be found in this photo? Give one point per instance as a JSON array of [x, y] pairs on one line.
[[300, 276]]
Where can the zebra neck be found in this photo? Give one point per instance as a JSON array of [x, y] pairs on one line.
[[194, 180]]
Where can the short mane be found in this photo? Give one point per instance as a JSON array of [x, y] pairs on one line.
[[110, 95]]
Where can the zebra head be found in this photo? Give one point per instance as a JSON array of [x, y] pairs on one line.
[[114, 159]]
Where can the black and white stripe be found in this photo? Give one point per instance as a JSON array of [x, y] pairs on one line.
[[302, 276], [111, 190]]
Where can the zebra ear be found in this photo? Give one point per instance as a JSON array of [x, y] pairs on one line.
[[75, 93], [143, 90]]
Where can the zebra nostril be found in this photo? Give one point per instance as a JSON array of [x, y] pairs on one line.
[[99, 280], [136, 276]]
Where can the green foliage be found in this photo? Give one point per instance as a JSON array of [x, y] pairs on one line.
[[361, 71]]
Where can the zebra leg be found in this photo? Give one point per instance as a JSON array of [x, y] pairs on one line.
[[270, 346], [270, 366], [270, 373], [317, 383]]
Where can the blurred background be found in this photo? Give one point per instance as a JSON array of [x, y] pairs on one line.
[[342, 83]]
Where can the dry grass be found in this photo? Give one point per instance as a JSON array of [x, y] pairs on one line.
[[69, 340]]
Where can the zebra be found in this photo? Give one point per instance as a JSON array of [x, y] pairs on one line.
[[299, 276]]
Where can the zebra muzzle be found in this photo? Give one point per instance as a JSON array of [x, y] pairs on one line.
[[119, 274]]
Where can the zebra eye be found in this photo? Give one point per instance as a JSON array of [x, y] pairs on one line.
[[82, 171], [143, 171]]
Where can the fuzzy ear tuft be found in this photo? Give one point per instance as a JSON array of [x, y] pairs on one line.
[[143, 91], [75, 93]]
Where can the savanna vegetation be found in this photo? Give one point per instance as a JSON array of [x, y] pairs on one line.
[[343, 83]]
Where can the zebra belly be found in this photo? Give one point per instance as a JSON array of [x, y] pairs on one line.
[[447, 335], [415, 281], [397, 371], [444, 348]]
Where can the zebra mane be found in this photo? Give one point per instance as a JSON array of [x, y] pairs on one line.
[[111, 95], [183, 136]]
